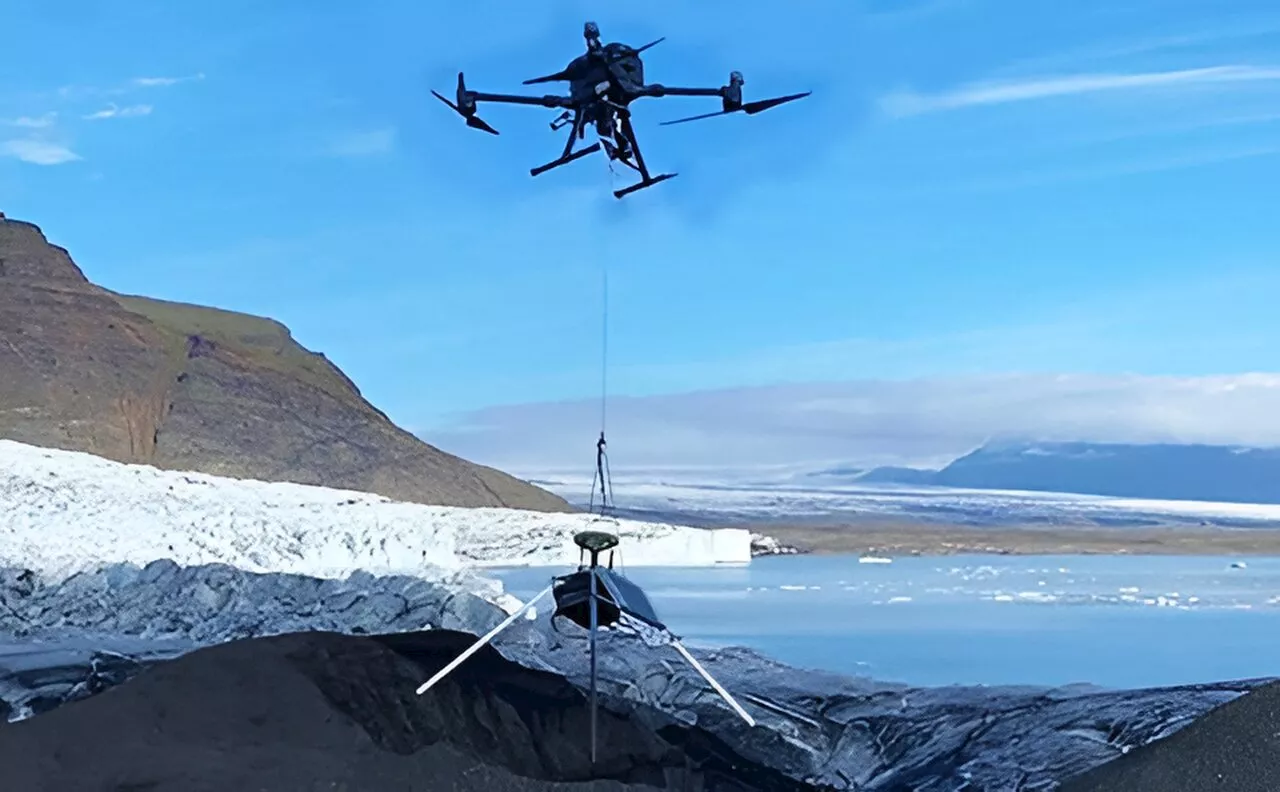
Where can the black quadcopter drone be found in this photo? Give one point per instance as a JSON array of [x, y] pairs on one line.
[[603, 83]]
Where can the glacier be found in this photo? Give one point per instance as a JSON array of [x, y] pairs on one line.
[[94, 553], [95, 630], [62, 639], [107, 569], [68, 511], [705, 499]]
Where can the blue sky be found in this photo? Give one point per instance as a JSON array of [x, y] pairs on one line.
[[976, 187]]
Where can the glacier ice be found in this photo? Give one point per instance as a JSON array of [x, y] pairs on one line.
[[60, 639], [826, 729], [206, 604], [108, 568], [68, 511], [722, 499]]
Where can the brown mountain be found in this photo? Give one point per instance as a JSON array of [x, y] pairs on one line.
[[186, 387]]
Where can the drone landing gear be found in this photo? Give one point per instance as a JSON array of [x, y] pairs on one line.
[[627, 151], [625, 191], [565, 160]]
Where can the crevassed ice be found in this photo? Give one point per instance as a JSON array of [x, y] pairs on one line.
[[66, 511]]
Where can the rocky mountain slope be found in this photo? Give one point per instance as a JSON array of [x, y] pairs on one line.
[[186, 387], [1158, 471]]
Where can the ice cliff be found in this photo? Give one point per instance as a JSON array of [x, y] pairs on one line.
[[67, 511]]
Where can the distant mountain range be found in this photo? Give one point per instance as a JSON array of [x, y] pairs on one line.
[[1228, 474]]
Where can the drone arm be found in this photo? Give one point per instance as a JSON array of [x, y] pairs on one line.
[[549, 100], [464, 103], [657, 90]]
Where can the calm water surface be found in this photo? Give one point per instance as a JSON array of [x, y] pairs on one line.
[[1110, 620]]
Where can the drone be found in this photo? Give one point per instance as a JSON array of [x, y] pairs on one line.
[[596, 598], [603, 82]]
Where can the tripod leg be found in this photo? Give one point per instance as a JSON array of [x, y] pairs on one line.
[[608, 480], [603, 478], [595, 623], [679, 647], [475, 647]]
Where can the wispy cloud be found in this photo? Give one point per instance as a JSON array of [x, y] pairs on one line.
[[38, 152], [78, 92], [34, 122], [163, 82], [874, 422], [114, 111], [371, 143], [910, 103]]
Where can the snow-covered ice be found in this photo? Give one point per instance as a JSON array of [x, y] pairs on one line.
[[67, 511], [698, 500]]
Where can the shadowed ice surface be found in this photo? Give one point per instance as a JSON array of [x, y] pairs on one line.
[[833, 731]]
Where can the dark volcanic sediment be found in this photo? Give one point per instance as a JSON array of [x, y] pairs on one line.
[[1234, 747], [325, 711], [828, 731], [191, 388]]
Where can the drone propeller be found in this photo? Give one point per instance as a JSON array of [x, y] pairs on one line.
[[564, 75], [558, 76], [466, 107], [750, 108], [650, 44]]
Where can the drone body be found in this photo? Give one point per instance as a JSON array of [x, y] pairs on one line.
[[603, 82]]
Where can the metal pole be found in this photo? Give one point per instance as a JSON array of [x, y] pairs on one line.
[[595, 622], [475, 647], [679, 647]]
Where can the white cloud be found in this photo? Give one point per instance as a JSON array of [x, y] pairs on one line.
[[114, 111], [79, 92], [38, 152], [163, 82], [921, 421], [34, 122], [910, 103], [372, 143]]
